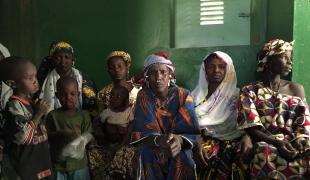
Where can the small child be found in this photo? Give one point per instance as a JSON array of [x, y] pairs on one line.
[[118, 116], [116, 120], [69, 131], [25, 133]]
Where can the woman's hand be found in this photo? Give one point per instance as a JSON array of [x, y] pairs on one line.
[[286, 150], [171, 144], [200, 155], [204, 133], [300, 144], [244, 148]]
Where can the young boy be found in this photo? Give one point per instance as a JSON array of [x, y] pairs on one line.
[[69, 131], [25, 133]]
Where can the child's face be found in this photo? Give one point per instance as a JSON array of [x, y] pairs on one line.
[[68, 95], [118, 99], [63, 62], [28, 83]]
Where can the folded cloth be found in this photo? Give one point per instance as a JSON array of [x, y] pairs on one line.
[[76, 148]]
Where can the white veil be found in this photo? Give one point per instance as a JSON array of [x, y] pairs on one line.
[[219, 113]]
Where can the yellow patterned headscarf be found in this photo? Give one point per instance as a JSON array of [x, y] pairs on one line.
[[124, 55], [273, 47], [61, 46]]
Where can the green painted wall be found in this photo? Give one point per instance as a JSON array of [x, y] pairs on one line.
[[96, 27], [280, 19], [301, 62]]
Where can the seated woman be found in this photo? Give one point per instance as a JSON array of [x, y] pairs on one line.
[[46, 64], [5, 90], [118, 63], [275, 114], [215, 96], [63, 58], [5, 93], [165, 126], [100, 155]]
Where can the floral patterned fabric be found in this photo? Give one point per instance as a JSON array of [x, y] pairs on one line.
[[110, 162], [223, 160], [282, 116], [272, 48]]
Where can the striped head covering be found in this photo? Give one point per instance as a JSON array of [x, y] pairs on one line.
[[160, 57], [272, 48], [61, 46], [124, 55]]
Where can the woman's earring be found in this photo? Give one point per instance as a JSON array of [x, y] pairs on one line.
[[169, 83]]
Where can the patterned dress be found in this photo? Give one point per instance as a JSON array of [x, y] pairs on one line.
[[110, 160], [223, 160], [281, 116], [153, 117]]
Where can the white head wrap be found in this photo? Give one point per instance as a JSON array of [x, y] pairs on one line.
[[219, 113], [154, 59], [4, 51]]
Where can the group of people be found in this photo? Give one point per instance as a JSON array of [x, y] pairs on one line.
[[148, 127]]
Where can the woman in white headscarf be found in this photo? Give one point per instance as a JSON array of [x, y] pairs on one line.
[[215, 99], [5, 93], [5, 90]]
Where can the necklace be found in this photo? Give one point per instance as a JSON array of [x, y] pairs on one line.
[[274, 91], [276, 88], [204, 100]]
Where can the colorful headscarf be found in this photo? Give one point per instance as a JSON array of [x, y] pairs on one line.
[[218, 114], [273, 47], [4, 51], [124, 55], [61, 46]]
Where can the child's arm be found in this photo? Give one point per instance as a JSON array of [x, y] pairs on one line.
[[86, 128], [126, 138], [22, 128], [86, 125], [41, 108], [76, 148], [61, 137]]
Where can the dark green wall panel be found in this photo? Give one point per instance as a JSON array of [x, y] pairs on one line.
[[94, 28], [301, 61]]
